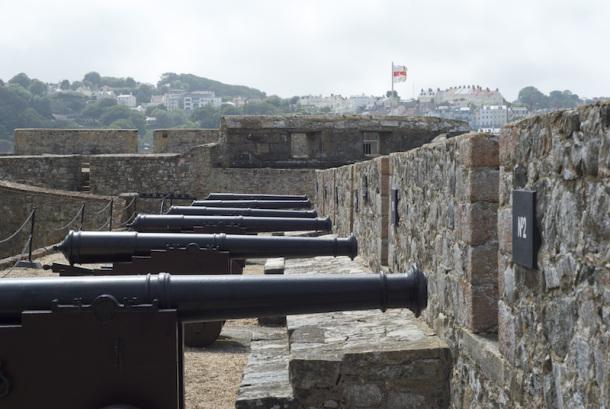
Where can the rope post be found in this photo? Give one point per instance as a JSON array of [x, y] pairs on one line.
[[82, 216], [162, 205], [110, 223], [31, 235]]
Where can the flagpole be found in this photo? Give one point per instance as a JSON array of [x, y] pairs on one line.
[[392, 75]]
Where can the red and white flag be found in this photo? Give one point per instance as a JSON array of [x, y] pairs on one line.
[[399, 73]]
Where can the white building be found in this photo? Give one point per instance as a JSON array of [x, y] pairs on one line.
[[200, 99], [127, 100], [491, 116]]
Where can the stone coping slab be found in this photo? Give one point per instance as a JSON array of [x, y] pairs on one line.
[[364, 359]]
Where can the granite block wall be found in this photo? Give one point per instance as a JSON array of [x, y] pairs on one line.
[[323, 141], [75, 141], [343, 217], [52, 171], [264, 180], [554, 321], [187, 173], [519, 337], [447, 212], [370, 218], [54, 209], [181, 140]]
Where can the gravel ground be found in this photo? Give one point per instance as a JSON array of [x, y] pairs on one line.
[[212, 375]]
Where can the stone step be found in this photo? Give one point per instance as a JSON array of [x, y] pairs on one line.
[[265, 382]]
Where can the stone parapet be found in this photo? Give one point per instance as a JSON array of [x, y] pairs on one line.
[[554, 321], [54, 210], [363, 359], [75, 141], [180, 140]]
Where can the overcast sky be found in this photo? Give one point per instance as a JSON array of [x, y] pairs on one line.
[[299, 47]]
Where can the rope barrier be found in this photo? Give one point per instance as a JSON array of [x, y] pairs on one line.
[[18, 230], [104, 225], [23, 252], [102, 210], [129, 220], [78, 214], [130, 203]]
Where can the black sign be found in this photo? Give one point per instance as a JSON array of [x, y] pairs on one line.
[[395, 207], [525, 235]]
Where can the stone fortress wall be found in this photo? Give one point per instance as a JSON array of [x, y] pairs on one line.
[[519, 337], [54, 209], [181, 140], [324, 141], [75, 141]]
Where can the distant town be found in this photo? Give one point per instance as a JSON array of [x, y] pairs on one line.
[[190, 101]]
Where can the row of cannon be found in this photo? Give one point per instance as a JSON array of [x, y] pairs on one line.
[[115, 333]]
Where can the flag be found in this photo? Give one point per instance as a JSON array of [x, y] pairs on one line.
[[399, 73]]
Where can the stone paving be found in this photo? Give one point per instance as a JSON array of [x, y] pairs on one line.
[[363, 359]]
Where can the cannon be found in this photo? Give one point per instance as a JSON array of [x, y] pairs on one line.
[[240, 211], [225, 224], [101, 247], [187, 254], [255, 204], [115, 342], [249, 196]]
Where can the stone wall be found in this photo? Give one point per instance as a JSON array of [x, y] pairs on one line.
[[54, 209], [181, 140], [266, 180], [75, 141], [370, 217], [52, 171], [355, 197], [447, 212], [186, 173], [323, 141], [554, 322], [519, 337]]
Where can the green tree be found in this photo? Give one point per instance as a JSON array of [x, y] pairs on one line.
[[563, 99], [93, 78], [533, 98], [21, 79], [114, 113], [144, 94], [64, 85], [38, 87], [206, 117], [130, 82], [260, 108]]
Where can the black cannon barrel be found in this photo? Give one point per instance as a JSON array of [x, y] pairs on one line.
[[240, 211], [227, 224], [256, 204], [212, 298], [250, 196], [102, 247]]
